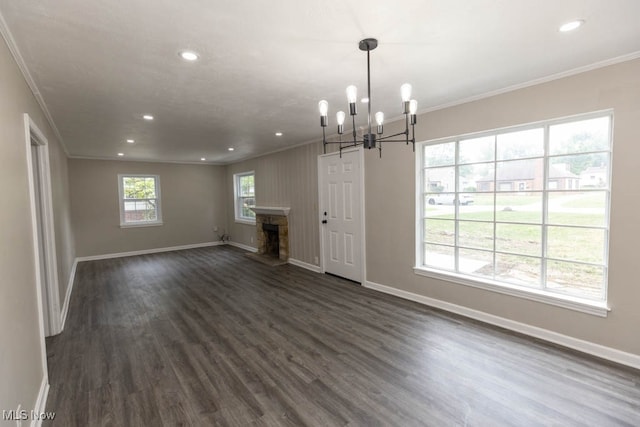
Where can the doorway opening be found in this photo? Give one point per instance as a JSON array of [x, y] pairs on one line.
[[45, 267]]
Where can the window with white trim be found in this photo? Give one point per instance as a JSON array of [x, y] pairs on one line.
[[139, 200], [245, 197], [519, 208]]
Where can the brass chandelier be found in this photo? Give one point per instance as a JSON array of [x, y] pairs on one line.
[[370, 139]]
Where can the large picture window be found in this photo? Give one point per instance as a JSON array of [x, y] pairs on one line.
[[244, 187], [525, 208], [139, 200]]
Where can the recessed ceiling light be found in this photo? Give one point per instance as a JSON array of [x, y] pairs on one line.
[[230, 148], [364, 100], [147, 117], [202, 159], [278, 133], [130, 141], [120, 154], [189, 55], [570, 26]]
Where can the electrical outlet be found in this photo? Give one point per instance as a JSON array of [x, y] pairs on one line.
[[251, 239], [315, 260], [215, 228]]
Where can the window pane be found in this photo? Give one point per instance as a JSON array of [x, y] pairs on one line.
[[578, 244], [519, 239], [446, 199], [440, 180], [519, 270], [144, 210], [477, 263], [576, 279], [439, 231], [246, 203], [476, 177], [520, 175], [578, 208], [247, 185], [519, 207], [475, 234], [478, 206], [440, 154], [439, 257], [521, 144], [139, 187], [569, 172], [581, 136], [433, 210], [476, 150]]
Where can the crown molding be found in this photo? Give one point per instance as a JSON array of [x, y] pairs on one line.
[[17, 56]]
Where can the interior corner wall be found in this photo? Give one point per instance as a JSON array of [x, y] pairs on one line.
[[390, 202], [191, 196], [285, 179], [21, 364]]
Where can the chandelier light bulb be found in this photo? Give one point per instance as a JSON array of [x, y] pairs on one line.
[[379, 118], [352, 94], [323, 106], [405, 92], [340, 115], [413, 106]]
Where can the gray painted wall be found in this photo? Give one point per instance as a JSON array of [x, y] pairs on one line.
[[192, 200], [390, 202], [21, 362]]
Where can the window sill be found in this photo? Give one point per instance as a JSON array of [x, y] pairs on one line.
[[142, 224], [596, 308], [246, 221]]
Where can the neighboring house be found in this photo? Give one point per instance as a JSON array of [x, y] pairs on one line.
[[594, 177], [524, 176]]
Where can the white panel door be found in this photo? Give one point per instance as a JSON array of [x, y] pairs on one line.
[[340, 181]]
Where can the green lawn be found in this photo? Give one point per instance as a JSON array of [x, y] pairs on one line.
[[524, 240]]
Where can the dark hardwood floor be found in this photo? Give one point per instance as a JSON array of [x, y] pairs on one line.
[[209, 337]]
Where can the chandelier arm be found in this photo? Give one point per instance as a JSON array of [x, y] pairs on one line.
[[406, 117], [324, 141], [386, 138], [353, 117], [413, 137], [369, 91]]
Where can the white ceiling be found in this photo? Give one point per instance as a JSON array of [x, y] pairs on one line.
[[264, 65]]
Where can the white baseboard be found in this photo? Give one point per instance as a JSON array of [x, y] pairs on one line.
[[148, 251], [241, 246], [41, 402], [608, 353], [67, 297], [306, 265]]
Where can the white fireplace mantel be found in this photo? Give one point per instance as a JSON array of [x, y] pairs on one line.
[[270, 210]]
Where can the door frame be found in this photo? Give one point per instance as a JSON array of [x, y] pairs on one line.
[[363, 246], [48, 292]]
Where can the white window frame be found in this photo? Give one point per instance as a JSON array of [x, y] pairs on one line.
[[123, 222], [237, 204], [594, 307]]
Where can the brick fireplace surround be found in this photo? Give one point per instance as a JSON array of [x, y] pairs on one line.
[[273, 216]]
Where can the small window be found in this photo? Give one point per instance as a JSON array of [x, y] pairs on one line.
[[139, 200], [244, 188]]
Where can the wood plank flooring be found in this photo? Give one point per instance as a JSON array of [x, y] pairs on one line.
[[208, 337]]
